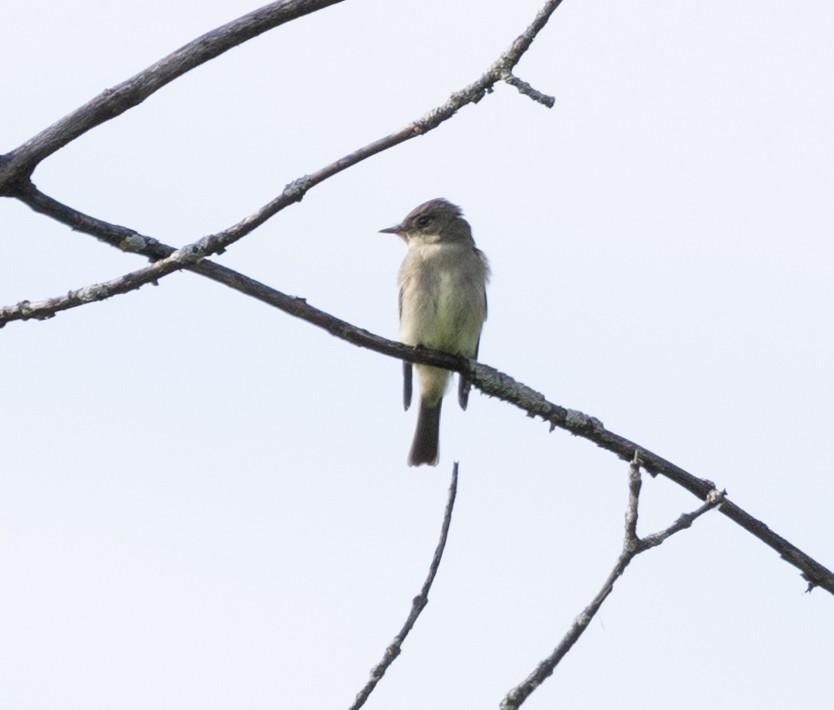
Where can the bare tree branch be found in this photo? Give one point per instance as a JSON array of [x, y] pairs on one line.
[[632, 546], [17, 166], [487, 379], [418, 603], [168, 259], [15, 181]]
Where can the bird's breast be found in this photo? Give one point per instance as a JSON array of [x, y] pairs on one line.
[[442, 298]]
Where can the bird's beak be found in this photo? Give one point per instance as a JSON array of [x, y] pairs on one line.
[[392, 230]]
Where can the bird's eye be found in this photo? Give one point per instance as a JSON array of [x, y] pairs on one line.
[[424, 220]]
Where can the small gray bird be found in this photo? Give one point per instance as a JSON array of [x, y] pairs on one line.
[[443, 306]]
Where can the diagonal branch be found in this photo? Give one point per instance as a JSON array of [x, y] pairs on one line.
[[633, 545], [496, 384], [489, 380], [17, 166], [418, 603]]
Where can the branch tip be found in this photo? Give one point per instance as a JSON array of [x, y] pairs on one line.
[[527, 90]]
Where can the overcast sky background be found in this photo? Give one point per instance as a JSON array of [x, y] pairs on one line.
[[205, 502]]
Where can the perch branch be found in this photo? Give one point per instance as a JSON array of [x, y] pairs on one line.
[[493, 383]]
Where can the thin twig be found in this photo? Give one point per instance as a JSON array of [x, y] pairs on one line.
[[715, 498], [633, 545], [418, 603]]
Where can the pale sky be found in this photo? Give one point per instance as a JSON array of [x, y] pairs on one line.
[[205, 502]]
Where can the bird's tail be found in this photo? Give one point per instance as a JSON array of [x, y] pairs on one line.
[[424, 449]]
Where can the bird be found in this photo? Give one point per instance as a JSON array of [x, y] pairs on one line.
[[442, 305]]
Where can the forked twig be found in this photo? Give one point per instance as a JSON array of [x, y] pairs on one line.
[[633, 545]]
